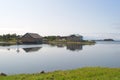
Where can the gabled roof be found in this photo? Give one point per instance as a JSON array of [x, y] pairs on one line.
[[76, 35], [34, 35]]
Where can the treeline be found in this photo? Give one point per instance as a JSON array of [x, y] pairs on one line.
[[51, 38], [9, 37]]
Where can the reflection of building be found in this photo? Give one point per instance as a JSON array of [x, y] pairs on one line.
[[74, 47], [32, 49], [31, 38]]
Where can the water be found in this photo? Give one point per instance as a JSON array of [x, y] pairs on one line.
[[18, 59]]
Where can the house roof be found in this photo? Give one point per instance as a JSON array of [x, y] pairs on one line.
[[76, 35], [34, 35]]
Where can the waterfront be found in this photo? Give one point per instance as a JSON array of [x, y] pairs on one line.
[[17, 59]]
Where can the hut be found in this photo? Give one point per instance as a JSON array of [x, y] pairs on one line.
[[75, 38], [31, 38]]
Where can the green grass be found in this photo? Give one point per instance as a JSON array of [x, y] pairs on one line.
[[88, 73]]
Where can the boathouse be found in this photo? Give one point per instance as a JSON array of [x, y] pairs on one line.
[[75, 38], [31, 38]]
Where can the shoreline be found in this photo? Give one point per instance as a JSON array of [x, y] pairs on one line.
[[85, 73], [53, 42], [69, 42]]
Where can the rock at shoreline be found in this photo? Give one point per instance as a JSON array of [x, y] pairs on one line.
[[42, 72], [3, 74]]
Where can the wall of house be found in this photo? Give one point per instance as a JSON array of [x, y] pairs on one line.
[[28, 39]]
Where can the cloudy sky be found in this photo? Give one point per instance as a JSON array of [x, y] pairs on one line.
[[98, 18]]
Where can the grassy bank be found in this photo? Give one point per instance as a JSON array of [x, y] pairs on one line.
[[88, 73], [69, 42], [7, 43]]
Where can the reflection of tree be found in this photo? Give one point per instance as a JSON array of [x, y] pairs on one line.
[[18, 50], [59, 45], [52, 45], [32, 49], [74, 47]]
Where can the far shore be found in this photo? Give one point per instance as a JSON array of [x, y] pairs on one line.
[[70, 42], [51, 42], [8, 43]]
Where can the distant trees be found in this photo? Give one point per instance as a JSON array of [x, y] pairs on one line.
[[9, 37], [51, 38], [108, 40]]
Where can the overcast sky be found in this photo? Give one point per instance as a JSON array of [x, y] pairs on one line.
[[61, 17]]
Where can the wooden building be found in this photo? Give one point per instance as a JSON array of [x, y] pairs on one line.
[[75, 38], [31, 38]]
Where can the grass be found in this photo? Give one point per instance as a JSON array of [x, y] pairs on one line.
[[7, 43], [87, 73]]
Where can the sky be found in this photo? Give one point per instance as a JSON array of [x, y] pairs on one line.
[[91, 18]]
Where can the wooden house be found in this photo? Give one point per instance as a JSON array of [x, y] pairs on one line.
[[75, 38], [31, 38]]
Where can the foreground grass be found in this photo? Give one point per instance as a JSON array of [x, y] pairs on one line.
[[88, 73]]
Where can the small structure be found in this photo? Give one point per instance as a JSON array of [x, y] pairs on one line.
[[75, 38], [31, 38]]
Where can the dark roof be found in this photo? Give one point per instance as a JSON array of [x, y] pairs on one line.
[[32, 49], [34, 35], [75, 35]]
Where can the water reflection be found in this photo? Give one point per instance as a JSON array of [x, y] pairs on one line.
[[36, 48], [20, 48], [74, 47], [32, 49], [59, 45], [59, 57]]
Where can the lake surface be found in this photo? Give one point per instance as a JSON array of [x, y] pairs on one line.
[[18, 59]]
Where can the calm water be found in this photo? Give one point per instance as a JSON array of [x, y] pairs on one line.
[[17, 59]]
